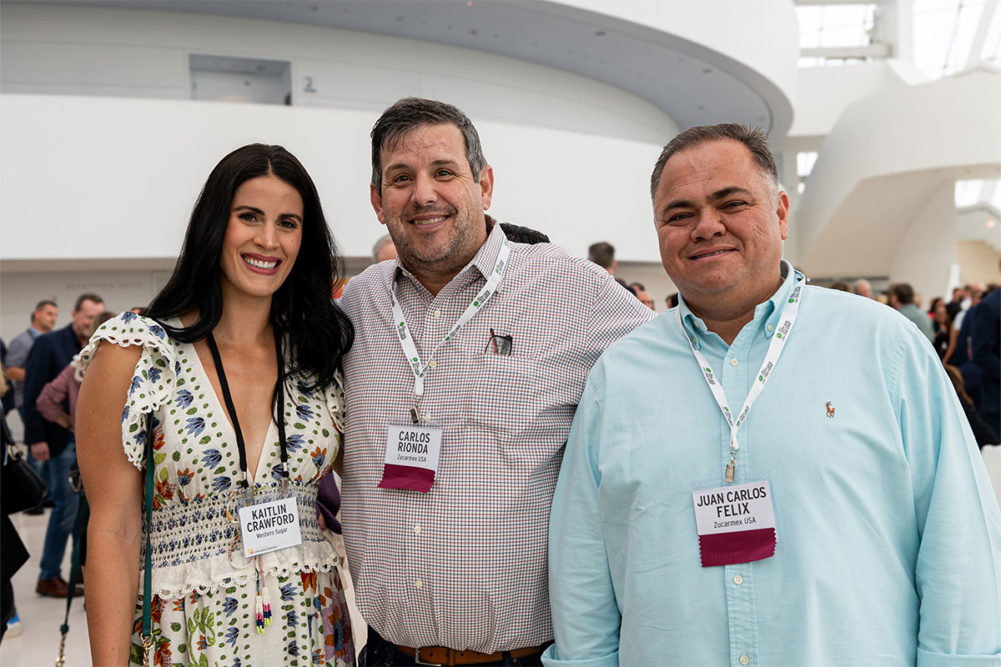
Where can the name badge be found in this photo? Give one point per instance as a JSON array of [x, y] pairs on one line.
[[411, 461], [736, 523], [269, 526]]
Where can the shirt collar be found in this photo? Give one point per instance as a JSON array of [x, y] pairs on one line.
[[35, 333], [767, 313]]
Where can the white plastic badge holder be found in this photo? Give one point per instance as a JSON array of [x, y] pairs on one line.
[[270, 526]]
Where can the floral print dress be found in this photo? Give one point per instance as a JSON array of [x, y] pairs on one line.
[[205, 591]]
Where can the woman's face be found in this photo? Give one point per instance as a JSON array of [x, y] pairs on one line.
[[263, 236], [940, 312]]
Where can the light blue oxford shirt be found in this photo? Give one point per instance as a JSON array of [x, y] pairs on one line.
[[888, 535]]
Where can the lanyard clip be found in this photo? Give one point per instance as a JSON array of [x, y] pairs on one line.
[[415, 411]]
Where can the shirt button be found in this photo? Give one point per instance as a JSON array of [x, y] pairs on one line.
[[432, 364], [696, 325], [744, 660], [420, 584], [417, 529], [437, 313], [426, 416], [770, 327], [737, 579], [734, 362]]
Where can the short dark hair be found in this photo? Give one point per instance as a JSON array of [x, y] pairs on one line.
[[602, 254], [638, 286], [754, 139], [519, 234], [45, 302], [317, 331], [86, 296], [903, 292], [412, 112]]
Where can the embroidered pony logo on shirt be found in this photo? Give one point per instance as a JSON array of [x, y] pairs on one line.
[[830, 410]]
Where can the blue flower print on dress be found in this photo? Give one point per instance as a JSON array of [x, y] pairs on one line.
[[158, 331], [136, 383], [211, 457], [304, 412], [221, 483], [183, 398], [125, 414], [291, 619], [303, 388], [128, 316], [195, 426], [230, 605], [294, 442], [293, 649], [288, 592]]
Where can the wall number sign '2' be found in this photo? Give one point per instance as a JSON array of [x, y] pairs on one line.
[[308, 88]]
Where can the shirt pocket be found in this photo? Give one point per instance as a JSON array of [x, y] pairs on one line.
[[502, 407]]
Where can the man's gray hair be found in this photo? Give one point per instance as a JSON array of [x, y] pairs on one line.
[[412, 112], [754, 139]]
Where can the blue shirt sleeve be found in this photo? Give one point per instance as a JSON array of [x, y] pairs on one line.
[[585, 613], [958, 568]]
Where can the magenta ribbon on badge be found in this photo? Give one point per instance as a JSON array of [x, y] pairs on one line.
[[739, 547], [406, 477]]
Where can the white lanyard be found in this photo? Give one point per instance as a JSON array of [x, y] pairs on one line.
[[771, 359], [406, 339]]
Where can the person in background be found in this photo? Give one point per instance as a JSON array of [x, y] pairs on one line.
[[840, 285], [52, 444], [13, 553], [985, 348], [671, 300], [57, 400], [470, 356], [603, 254], [942, 325], [43, 319], [863, 288], [519, 234], [902, 299], [383, 249], [779, 474]]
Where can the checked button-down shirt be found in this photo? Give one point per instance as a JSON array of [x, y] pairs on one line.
[[464, 565]]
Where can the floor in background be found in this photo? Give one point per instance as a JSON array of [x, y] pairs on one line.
[[41, 617]]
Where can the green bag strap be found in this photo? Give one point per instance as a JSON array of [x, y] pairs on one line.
[[83, 512], [147, 628]]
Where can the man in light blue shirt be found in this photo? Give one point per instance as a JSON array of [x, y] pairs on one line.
[[771, 473]]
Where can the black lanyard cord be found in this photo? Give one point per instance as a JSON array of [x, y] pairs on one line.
[[231, 409]]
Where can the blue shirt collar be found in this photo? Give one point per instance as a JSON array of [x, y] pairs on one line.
[[766, 314]]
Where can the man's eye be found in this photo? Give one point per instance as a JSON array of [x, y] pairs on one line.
[[735, 203], [441, 173], [401, 178], [678, 218]]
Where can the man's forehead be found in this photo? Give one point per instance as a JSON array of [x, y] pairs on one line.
[[445, 135], [712, 165]]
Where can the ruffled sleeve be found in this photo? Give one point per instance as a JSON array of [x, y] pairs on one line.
[[153, 380]]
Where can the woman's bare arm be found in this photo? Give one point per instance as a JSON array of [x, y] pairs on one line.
[[114, 491]]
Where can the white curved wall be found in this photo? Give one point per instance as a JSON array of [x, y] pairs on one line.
[[871, 206], [140, 53], [757, 39], [89, 177]]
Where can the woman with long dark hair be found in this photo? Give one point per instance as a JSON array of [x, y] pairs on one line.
[[237, 360]]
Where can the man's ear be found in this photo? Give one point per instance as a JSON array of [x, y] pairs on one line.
[[487, 185], [782, 212], [376, 198]]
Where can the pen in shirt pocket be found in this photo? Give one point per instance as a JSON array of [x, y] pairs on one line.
[[500, 344]]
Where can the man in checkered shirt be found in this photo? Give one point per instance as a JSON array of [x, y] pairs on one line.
[[449, 560]]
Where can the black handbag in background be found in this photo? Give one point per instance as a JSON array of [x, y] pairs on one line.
[[21, 488]]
